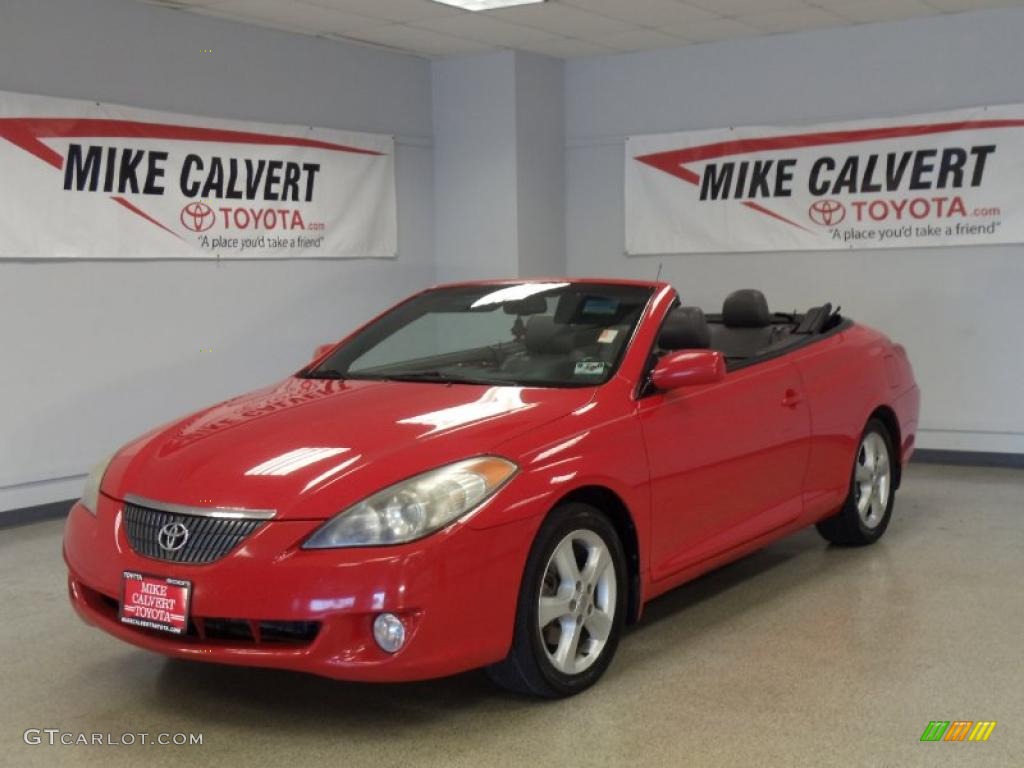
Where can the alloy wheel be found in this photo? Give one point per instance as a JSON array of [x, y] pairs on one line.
[[576, 605], [872, 479]]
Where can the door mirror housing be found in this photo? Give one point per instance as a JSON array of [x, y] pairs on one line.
[[688, 368], [322, 350]]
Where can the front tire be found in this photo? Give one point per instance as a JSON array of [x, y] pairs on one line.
[[571, 609], [866, 511]]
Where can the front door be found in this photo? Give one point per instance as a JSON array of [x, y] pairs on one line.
[[727, 462]]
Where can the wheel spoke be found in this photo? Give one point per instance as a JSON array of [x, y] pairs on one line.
[[565, 562], [551, 608], [863, 473], [568, 643], [597, 561], [599, 625], [864, 499], [877, 504], [869, 456], [882, 466]]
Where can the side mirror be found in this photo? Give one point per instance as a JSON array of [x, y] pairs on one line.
[[688, 368], [322, 350]]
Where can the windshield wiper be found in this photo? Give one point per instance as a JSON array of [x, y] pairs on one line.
[[323, 373], [444, 378]]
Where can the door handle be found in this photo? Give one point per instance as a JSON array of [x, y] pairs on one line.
[[792, 398]]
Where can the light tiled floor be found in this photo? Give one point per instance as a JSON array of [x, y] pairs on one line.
[[798, 655]]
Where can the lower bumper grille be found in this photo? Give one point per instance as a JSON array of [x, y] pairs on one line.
[[259, 632], [234, 632]]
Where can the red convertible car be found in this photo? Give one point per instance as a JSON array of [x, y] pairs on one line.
[[495, 474]]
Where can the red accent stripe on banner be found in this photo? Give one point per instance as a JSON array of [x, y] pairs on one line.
[[683, 173], [136, 210], [803, 140], [98, 128], [20, 136], [672, 161], [774, 215]]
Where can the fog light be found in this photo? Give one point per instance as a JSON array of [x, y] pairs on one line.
[[389, 632]]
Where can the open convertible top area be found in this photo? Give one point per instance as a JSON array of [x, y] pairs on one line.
[[564, 332], [746, 330]]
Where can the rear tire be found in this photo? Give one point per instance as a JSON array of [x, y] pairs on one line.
[[571, 609], [865, 513]]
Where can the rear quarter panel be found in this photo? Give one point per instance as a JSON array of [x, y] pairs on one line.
[[847, 376]]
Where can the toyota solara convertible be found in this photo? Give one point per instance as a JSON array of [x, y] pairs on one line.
[[496, 474]]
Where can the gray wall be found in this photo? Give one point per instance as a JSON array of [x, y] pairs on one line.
[[499, 163], [97, 352], [956, 309], [540, 161], [475, 166]]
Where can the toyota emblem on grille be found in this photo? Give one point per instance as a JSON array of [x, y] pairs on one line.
[[172, 537]]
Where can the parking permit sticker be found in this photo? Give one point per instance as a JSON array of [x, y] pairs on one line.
[[590, 368], [607, 336]]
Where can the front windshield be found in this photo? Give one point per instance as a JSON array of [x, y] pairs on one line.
[[526, 334]]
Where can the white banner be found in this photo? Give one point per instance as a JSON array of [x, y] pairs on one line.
[[88, 180], [952, 178]]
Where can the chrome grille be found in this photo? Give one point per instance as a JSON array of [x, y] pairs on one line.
[[208, 538]]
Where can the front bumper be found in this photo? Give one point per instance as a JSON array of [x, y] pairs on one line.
[[456, 591]]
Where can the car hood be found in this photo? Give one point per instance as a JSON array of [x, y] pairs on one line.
[[307, 448]]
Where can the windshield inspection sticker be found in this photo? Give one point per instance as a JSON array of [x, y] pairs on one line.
[[589, 368], [607, 336]]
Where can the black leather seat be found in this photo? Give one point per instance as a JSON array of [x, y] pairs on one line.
[[746, 326], [685, 328], [552, 348], [544, 337]]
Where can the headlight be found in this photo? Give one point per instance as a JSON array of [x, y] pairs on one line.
[[415, 507], [91, 493]]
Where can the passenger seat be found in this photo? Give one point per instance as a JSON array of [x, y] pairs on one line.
[[746, 326]]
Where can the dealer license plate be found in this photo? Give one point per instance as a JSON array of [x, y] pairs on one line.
[[155, 602]]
